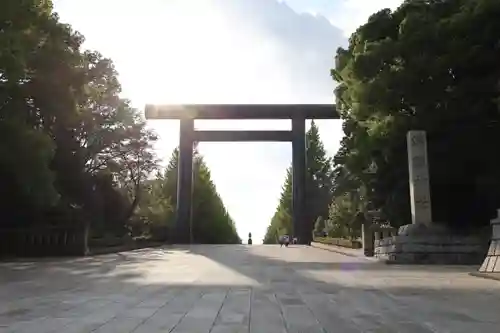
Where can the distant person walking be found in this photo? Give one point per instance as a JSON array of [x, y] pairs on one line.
[[284, 240]]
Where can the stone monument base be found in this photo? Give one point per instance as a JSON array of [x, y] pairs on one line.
[[491, 263], [420, 244]]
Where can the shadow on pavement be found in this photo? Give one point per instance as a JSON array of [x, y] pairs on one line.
[[352, 294]]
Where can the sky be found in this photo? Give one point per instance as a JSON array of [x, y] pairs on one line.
[[226, 51]]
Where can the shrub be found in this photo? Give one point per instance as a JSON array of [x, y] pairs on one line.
[[352, 244]]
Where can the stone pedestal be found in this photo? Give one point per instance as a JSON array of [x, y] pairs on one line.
[[419, 244], [491, 263], [423, 242]]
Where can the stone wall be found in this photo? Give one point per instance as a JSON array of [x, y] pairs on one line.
[[431, 249]]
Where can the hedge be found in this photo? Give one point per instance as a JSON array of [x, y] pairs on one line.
[[352, 244]]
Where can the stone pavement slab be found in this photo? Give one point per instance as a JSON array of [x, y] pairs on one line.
[[238, 288]]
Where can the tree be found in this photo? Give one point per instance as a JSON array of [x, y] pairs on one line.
[[281, 222], [319, 179], [155, 216], [345, 218], [69, 145], [211, 223], [319, 227], [429, 65], [36, 54], [319, 189]]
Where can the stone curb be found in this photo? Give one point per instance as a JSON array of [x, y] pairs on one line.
[[339, 250], [488, 276], [96, 251]]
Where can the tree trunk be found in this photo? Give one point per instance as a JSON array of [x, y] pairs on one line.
[[133, 205]]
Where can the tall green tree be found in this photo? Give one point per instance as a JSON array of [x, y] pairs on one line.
[[319, 179], [211, 222], [281, 222], [70, 147], [433, 66], [155, 216], [72, 150], [30, 36], [319, 189]]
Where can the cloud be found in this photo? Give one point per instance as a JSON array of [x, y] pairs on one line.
[[303, 45], [299, 48], [359, 11], [345, 14]]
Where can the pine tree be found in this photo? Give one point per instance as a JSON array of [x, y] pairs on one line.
[[319, 179], [281, 222], [211, 222], [319, 185]]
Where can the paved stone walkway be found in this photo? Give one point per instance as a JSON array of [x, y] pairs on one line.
[[257, 289]]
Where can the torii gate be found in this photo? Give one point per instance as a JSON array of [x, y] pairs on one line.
[[298, 113]]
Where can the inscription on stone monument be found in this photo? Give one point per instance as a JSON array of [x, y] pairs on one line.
[[419, 178]]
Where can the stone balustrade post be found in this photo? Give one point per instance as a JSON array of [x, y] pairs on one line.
[[376, 237]]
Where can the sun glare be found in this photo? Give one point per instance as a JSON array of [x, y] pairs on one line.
[[184, 54]]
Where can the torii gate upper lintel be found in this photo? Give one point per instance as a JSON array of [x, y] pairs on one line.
[[187, 113]]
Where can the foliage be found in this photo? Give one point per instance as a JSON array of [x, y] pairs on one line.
[[281, 222], [71, 150], [155, 213], [319, 227], [352, 244], [433, 66], [319, 189], [319, 179], [211, 223], [25, 148], [344, 220]]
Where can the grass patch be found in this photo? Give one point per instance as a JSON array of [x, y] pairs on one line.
[[351, 244]]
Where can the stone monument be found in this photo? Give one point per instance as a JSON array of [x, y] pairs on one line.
[[419, 184], [420, 197], [423, 241]]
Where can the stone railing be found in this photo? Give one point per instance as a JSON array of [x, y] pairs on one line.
[[44, 241], [381, 232], [373, 234], [491, 263], [348, 243]]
